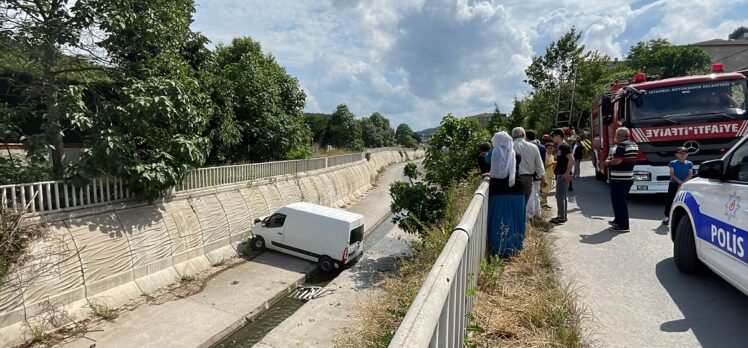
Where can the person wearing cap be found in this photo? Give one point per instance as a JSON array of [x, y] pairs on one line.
[[564, 164], [681, 170], [621, 166]]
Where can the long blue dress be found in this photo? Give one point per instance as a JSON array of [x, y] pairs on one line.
[[506, 215]]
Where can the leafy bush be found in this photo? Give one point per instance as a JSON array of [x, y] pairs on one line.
[[450, 155], [16, 171], [416, 205]]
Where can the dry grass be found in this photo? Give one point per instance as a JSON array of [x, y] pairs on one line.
[[521, 303], [382, 314]]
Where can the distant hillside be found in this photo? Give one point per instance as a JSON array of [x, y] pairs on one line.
[[427, 131]]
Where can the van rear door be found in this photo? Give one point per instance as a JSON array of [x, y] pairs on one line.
[[356, 242]]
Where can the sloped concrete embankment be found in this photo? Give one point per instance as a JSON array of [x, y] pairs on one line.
[[110, 255]]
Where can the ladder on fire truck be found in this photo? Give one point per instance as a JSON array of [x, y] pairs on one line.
[[567, 87]]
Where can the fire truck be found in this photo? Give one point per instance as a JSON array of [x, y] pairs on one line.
[[704, 113]]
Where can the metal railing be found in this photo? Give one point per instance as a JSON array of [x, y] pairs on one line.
[[223, 175], [440, 312], [54, 196]]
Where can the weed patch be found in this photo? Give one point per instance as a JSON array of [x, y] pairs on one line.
[[103, 311], [16, 233], [381, 316], [521, 303]]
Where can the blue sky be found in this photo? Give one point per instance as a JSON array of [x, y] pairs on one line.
[[417, 60]]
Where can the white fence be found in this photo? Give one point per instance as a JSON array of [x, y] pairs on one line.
[[439, 314], [54, 196]]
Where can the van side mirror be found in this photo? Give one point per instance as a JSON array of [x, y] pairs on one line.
[[712, 169], [257, 220]]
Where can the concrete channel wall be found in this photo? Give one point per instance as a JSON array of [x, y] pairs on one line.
[[113, 254]]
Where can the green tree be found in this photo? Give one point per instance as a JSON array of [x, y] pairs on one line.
[[451, 151], [343, 131], [376, 131], [404, 136], [517, 117], [416, 205], [35, 33], [566, 57], [660, 57], [318, 125], [498, 120], [151, 136], [150, 132], [265, 103]]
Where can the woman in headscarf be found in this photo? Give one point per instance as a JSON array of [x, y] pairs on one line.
[[506, 203]]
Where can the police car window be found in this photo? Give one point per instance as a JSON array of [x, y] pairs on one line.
[[277, 220], [737, 169]]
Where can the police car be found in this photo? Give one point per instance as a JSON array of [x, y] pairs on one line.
[[709, 219]]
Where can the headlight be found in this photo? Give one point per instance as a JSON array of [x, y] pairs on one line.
[[642, 176]]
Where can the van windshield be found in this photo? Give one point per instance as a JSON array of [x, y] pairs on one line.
[[357, 234]]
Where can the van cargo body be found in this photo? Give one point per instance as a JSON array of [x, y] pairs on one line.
[[332, 237]]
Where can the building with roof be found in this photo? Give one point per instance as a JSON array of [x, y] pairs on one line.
[[733, 54]]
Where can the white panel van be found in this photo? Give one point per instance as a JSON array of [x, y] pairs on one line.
[[333, 238]]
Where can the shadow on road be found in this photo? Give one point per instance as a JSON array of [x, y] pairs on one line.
[[603, 236], [646, 207], [712, 308]]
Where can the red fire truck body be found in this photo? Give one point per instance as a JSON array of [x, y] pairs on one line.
[[706, 114]]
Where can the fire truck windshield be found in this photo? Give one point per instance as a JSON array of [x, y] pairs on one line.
[[683, 103]]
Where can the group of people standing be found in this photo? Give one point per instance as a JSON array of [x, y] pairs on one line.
[[521, 170]]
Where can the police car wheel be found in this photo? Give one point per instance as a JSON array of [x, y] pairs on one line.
[[258, 243], [684, 249], [325, 264]]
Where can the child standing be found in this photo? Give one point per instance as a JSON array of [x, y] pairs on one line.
[[681, 170]]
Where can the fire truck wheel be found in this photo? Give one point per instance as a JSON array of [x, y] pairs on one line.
[[684, 249]]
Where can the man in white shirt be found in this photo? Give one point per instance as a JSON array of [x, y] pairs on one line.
[[531, 165]]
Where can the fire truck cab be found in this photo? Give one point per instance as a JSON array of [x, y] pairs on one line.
[[705, 113]]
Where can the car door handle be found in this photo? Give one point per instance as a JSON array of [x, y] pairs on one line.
[[280, 233]]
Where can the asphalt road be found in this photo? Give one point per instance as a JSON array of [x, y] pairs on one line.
[[634, 294]]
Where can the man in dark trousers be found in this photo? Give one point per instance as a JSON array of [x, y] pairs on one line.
[[621, 167], [564, 164]]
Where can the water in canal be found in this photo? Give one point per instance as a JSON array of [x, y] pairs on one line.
[[253, 331]]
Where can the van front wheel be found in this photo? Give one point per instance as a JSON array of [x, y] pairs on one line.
[[258, 243], [325, 264]]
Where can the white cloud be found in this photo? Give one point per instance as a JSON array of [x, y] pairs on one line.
[[416, 60]]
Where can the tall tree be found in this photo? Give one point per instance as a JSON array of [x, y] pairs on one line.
[[517, 117], [376, 131], [498, 120], [150, 131], [343, 131], [404, 136], [266, 103], [660, 57], [38, 32], [317, 124]]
